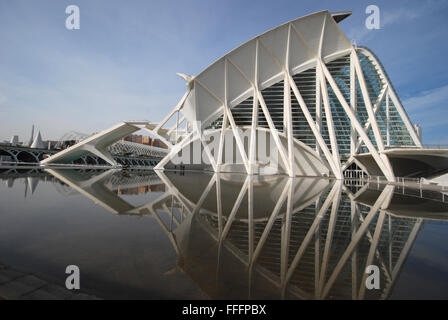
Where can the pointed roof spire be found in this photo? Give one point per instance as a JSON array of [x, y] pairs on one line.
[[30, 142], [38, 143], [32, 183]]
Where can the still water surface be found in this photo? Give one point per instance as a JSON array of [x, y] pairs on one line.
[[186, 235]]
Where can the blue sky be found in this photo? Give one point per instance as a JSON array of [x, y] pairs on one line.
[[122, 63]]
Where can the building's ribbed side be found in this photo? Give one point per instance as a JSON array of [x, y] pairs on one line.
[[392, 128]]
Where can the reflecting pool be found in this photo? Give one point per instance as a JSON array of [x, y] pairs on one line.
[[196, 235]]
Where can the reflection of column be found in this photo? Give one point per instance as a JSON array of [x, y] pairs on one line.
[[250, 218], [390, 243], [94, 188], [333, 193], [220, 221], [235, 208], [403, 255], [317, 253], [370, 256], [286, 231], [271, 221], [226, 245], [10, 183], [383, 200], [354, 221], [26, 187], [329, 238]]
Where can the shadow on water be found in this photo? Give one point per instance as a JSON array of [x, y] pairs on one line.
[[265, 237]]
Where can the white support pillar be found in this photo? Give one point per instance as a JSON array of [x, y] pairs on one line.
[[318, 108], [222, 139], [219, 204], [288, 128], [329, 118], [103, 154], [371, 113], [174, 150], [253, 134], [207, 151], [254, 124], [396, 101], [353, 105], [367, 102], [405, 118], [238, 139], [387, 119], [274, 133], [335, 168], [176, 109], [376, 107], [287, 114], [177, 125], [354, 122]]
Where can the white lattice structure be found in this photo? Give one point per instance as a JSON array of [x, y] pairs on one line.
[[312, 90], [136, 149], [105, 143], [324, 105]]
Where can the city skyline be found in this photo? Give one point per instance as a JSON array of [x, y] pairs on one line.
[[115, 68]]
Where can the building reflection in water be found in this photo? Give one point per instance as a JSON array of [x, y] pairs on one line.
[[242, 237]]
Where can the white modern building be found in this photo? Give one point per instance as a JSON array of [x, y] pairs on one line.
[[318, 104]]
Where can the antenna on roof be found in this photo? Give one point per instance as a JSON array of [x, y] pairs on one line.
[[185, 77]]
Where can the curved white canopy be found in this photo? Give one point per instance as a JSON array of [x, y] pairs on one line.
[[261, 62]]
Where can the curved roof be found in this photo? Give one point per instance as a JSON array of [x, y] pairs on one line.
[[261, 62]]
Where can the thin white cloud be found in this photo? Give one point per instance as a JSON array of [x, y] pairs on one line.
[[387, 18], [400, 15], [428, 109], [3, 99], [427, 100]]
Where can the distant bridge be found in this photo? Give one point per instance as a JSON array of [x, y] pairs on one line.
[[121, 152], [24, 154]]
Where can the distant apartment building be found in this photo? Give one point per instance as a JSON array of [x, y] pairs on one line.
[[142, 189], [145, 140]]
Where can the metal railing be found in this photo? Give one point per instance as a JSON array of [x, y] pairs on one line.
[[414, 187], [435, 146], [425, 146]]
